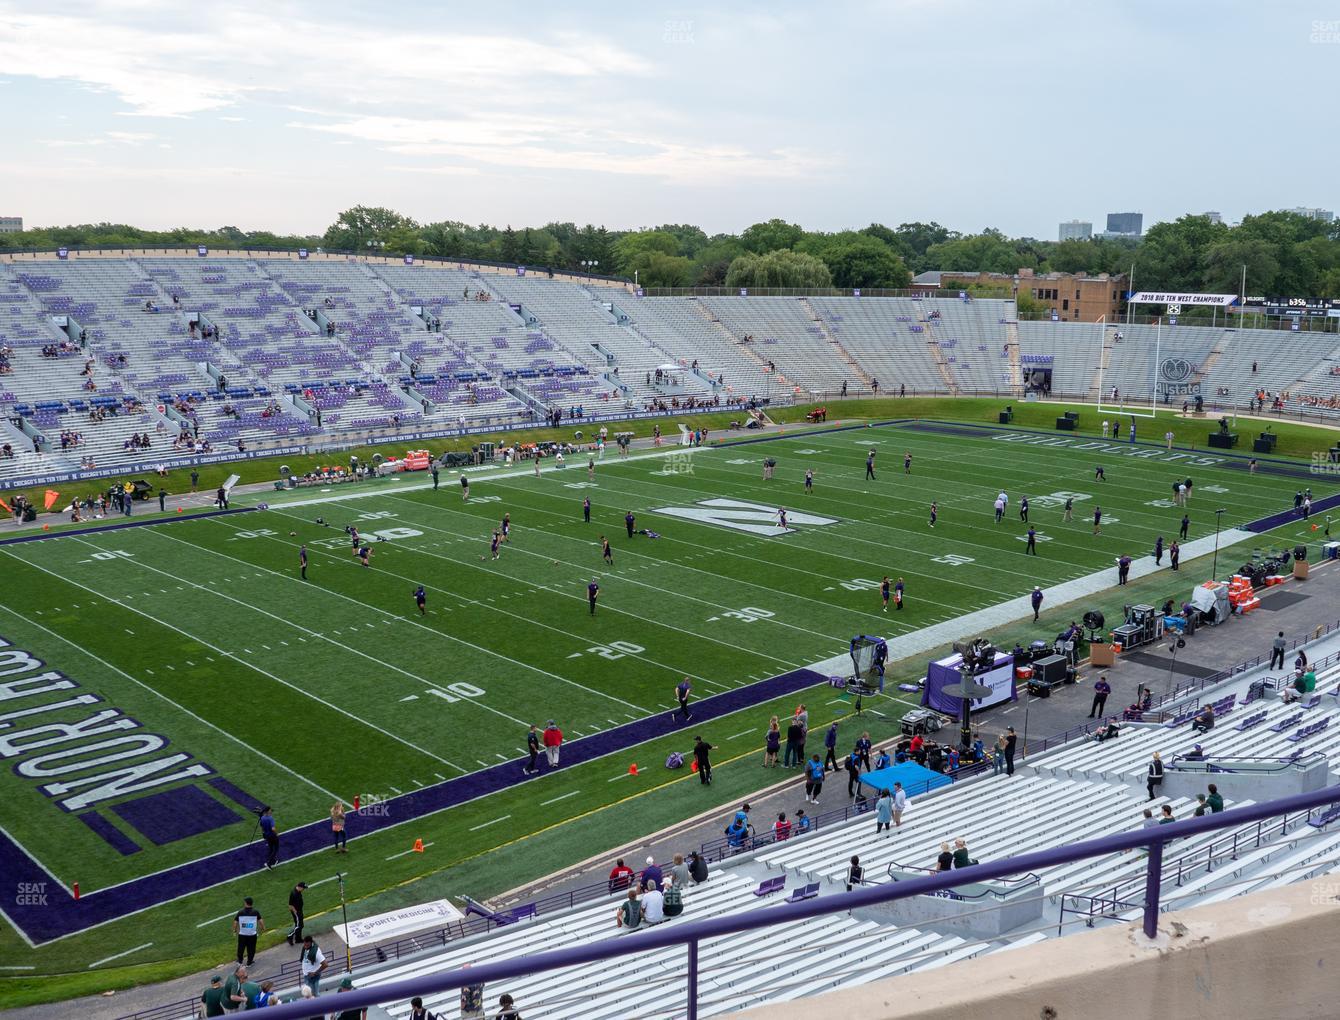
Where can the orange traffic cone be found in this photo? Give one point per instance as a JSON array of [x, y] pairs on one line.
[[178, 509], [693, 765], [632, 769], [418, 846]]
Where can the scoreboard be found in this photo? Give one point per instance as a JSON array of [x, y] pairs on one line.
[[1285, 306]]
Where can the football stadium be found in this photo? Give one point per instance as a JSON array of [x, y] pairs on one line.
[[420, 620]]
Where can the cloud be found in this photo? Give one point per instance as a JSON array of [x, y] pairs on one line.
[[572, 143], [167, 61]]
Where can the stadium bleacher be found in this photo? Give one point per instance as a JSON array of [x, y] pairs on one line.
[[332, 346]]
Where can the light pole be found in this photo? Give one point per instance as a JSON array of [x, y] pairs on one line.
[[1218, 518]]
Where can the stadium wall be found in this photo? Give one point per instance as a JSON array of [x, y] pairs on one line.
[[1264, 955]]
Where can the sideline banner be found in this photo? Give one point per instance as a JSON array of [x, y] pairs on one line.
[[1159, 297], [398, 922]]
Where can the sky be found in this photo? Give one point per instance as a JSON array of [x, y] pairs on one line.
[[279, 114]]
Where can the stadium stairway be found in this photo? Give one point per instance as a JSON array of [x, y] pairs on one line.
[[842, 352], [938, 356], [1016, 365]]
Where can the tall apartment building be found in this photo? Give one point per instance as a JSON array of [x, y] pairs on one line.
[[1075, 230]]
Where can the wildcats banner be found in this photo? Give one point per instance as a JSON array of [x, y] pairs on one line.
[[1159, 297]]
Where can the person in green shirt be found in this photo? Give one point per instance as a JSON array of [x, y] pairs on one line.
[[629, 914], [233, 996], [212, 997], [1166, 815], [251, 990], [961, 856], [1215, 800]]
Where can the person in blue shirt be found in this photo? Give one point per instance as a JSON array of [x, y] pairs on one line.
[[882, 760], [586, 510], [898, 594], [802, 822], [682, 690], [1036, 599], [629, 522], [271, 836], [592, 593], [830, 743], [302, 561], [737, 832], [814, 779], [421, 600], [1023, 509]]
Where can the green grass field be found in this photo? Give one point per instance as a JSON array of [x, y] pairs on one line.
[[303, 692]]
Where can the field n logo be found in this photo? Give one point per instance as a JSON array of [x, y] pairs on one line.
[[752, 518]]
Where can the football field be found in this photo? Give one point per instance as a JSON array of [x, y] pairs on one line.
[[160, 682]]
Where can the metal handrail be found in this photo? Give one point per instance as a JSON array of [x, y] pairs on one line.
[[691, 934]]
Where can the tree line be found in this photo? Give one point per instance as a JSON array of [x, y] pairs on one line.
[[1284, 254]]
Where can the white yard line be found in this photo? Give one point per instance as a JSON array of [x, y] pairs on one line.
[[485, 825], [555, 800], [250, 747], [117, 956]]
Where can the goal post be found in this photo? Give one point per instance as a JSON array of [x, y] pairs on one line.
[[1114, 393]]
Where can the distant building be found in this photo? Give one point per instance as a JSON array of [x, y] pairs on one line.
[[1074, 297], [1075, 230], [1325, 215], [1214, 217], [1125, 224], [11, 224]]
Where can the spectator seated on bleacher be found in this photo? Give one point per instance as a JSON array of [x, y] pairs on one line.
[[1195, 754], [629, 914], [962, 859], [1204, 721], [621, 875], [1108, 731]]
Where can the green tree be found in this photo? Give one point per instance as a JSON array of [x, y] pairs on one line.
[[781, 268], [630, 246], [987, 252], [508, 247], [713, 261], [771, 236], [354, 228], [858, 260], [691, 239], [657, 269], [1172, 255]]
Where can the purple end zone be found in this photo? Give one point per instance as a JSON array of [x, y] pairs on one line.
[[176, 814], [43, 536], [236, 794], [119, 841], [1292, 516], [63, 915]]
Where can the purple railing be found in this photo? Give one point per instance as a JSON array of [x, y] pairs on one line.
[[691, 934]]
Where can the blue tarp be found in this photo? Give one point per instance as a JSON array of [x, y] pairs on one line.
[[916, 779]]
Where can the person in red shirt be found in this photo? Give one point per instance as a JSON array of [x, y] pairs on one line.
[[917, 744], [781, 829], [553, 739], [621, 876]]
